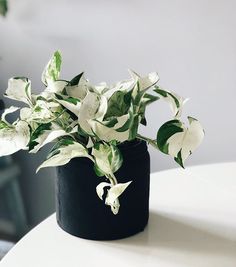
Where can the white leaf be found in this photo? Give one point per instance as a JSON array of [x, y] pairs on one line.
[[19, 89], [100, 189], [8, 111], [187, 141], [175, 101], [107, 157], [65, 154], [47, 137], [120, 86], [80, 90], [112, 196], [70, 106], [92, 107], [109, 133], [145, 82], [43, 111], [52, 69], [25, 113], [52, 88], [14, 139]]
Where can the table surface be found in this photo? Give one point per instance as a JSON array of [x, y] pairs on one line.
[[192, 223]]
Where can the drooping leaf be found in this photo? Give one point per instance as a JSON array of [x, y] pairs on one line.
[[62, 155], [175, 101], [44, 134], [166, 131], [40, 130], [113, 194], [178, 141]]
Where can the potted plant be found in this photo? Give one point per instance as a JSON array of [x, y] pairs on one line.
[[98, 150]]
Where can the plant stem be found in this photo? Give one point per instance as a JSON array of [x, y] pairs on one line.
[[148, 140]]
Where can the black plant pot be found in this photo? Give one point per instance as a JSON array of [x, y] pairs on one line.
[[81, 213]]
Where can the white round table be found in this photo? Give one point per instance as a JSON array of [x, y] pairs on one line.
[[192, 223]]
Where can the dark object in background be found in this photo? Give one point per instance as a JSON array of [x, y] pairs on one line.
[[81, 213], [3, 7], [2, 106]]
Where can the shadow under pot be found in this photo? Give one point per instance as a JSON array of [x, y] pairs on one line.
[[81, 213]]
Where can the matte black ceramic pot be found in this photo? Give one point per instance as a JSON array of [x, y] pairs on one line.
[[81, 213]]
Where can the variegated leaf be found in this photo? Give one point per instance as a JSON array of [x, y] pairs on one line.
[[62, 155], [113, 194], [117, 129], [15, 138], [175, 101], [19, 88], [107, 158], [52, 69], [70, 103], [92, 107], [100, 189], [8, 111], [78, 87], [44, 134], [175, 139]]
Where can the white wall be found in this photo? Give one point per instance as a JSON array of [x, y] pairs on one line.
[[192, 44]]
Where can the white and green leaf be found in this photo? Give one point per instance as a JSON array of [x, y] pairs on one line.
[[175, 139], [52, 70], [114, 129], [19, 88], [44, 134], [175, 101], [113, 194], [64, 153], [92, 107], [8, 111], [107, 157], [15, 138]]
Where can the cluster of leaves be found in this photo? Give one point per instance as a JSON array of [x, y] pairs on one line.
[[90, 121]]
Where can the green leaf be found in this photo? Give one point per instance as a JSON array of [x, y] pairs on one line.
[[53, 68], [134, 127], [175, 101], [118, 104], [3, 7], [3, 125], [76, 79], [37, 132], [175, 139], [64, 153], [166, 131], [108, 158]]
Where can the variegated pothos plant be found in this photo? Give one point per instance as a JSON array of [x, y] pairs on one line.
[[85, 120]]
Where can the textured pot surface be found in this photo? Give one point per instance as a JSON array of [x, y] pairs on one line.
[[81, 213]]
